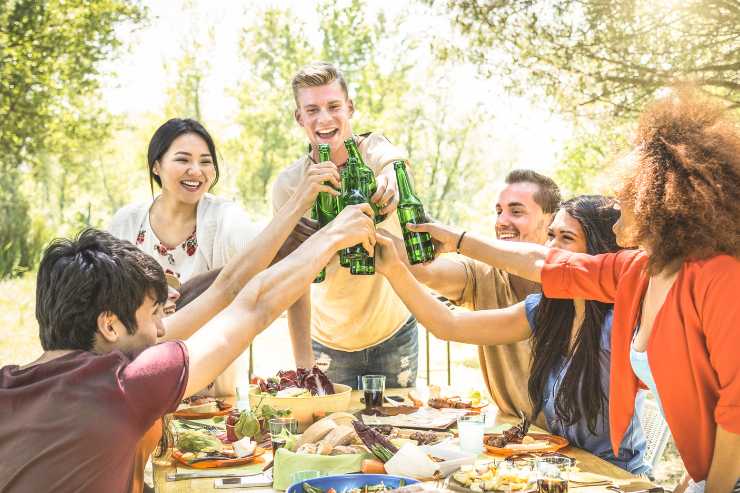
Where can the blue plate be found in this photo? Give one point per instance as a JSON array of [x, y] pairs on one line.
[[344, 482]]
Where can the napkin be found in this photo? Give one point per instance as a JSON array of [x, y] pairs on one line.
[[287, 463], [412, 461]]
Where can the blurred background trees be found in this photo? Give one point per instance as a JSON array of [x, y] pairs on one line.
[[49, 57], [600, 61], [471, 89]]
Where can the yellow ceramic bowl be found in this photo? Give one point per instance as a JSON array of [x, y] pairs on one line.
[[305, 407]]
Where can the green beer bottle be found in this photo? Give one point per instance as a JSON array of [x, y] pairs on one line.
[[326, 207], [419, 246], [315, 216], [364, 265], [326, 204], [372, 185], [343, 259], [352, 194]]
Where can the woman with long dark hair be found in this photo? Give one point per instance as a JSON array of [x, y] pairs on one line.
[[676, 313], [569, 381]]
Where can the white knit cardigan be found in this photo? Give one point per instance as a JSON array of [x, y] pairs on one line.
[[222, 229]]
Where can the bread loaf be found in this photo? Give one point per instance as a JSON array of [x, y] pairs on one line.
[[317, 431]]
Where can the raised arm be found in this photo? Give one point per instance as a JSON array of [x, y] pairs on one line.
[[443, 275], [715, 289], [212, 348], [483, 327], [253, 259], [521, 259]]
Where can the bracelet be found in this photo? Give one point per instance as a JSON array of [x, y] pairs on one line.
[[459, 242]]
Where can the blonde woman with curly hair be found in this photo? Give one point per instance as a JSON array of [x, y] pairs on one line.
[[676, 321]]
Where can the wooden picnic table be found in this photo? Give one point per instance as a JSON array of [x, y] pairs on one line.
[[586, 462]]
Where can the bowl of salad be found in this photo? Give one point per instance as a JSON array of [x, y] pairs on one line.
[[351, 483], [305, 392]]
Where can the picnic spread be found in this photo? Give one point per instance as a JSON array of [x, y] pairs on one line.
[[367, 450]]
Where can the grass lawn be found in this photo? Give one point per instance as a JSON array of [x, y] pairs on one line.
[[19, 342], [20, 345]]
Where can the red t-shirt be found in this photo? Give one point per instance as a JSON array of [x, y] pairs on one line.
[[73, 423]]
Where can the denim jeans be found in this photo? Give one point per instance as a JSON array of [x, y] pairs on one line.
[[397, 359]]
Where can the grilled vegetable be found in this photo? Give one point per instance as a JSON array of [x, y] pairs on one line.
[[307, 488], [372, 466], [375, 442], [197, 441]]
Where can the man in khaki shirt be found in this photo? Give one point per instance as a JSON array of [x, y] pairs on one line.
[[358, 324], [524, 210]]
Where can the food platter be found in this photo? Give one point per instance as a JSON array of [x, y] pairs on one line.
[[525, 487], [541, 442], [421, 437], [492, 478], [425, 418], [186, 414], [213, 463], [458, 403]]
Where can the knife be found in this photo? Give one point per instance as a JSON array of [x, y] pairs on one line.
[[215, 474]]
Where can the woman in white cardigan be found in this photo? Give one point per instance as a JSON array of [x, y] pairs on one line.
[[185, 228]]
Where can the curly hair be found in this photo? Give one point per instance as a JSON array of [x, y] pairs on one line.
[[684, 187]]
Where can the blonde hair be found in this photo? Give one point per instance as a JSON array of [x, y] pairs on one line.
[[317, 74]]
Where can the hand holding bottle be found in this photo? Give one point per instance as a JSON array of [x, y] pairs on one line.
[[389, 252], [445, 237], [386, 196], [352, 226], [318, 178]]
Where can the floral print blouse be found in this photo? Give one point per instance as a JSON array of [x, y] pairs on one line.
[[178, 260]]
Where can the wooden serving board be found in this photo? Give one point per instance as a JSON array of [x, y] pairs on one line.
[[211, 464], [441, 421]]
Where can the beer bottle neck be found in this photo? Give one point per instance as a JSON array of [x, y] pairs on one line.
[[352, 150], [405, 189], [324, 153]]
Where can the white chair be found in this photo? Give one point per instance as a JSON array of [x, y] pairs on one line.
[[656, 432]]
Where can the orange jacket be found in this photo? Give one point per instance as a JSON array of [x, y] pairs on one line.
[[692, 351]]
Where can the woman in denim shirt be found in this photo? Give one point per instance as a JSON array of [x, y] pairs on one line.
[[571, 350]]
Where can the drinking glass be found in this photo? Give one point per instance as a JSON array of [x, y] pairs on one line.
[[470, 428], [277, 425], [242, 397], [374, 386], [553, 474]]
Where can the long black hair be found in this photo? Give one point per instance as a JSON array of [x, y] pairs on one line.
[[166, 134], [580, 394]]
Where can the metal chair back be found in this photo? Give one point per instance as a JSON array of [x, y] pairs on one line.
[[656, 432]]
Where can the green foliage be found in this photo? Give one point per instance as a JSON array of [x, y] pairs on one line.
[[588, 163], [377, 76], [185, 95], [49, 64], [273, 49], [377, 59], [276, 47], [443, 144], [49, 55], [606, 55]]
